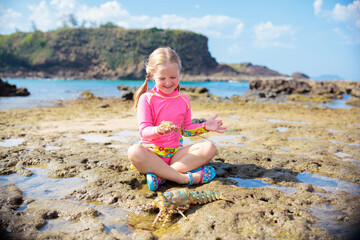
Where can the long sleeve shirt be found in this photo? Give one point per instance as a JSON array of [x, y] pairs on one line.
[[154, 107]]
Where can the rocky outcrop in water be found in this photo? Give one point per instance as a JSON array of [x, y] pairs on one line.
[[329, 89], [280, 86], [8, 90]]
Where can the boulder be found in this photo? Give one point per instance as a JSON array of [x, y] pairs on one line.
[[8, 90], [328, 89], [355, 92], [280, 86], [127, 95], [194, 89]]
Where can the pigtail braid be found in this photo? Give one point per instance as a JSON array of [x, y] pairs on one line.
[[141, 90]]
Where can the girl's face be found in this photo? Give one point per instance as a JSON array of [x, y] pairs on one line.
[[166, 77]]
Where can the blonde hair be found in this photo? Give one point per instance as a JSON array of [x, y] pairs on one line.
[[159, 56]]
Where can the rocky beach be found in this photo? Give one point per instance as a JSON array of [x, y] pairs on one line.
[[293, 169]]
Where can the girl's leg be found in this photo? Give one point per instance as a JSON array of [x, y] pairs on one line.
[[192, 157], [147, 161]]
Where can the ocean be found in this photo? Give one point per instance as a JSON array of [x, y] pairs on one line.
[[46, 92]]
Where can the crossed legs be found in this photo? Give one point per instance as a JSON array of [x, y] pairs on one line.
[[184, 160]]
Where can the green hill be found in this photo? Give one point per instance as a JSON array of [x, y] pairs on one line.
[[111, 52], [99, 53]]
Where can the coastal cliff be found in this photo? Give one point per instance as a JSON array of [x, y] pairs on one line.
[[110, 52]]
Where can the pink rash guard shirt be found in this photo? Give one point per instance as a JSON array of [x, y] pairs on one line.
[[154, 107]]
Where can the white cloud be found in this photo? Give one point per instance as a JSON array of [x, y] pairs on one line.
[[42, 16], [269, 35], [108, 12], [51, 14], [348, 14], [9, 20], [343, 13], [62, 5], [239, 29], [317, 7]]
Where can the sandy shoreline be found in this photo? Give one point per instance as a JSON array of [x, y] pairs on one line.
[[275, 143]]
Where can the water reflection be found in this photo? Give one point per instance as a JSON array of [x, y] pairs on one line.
[[350, 144], [282, 121], [12, 142], [327, 216], [255, 183], [124, 136], [282, 129], [296, 138], [329, 184], [39, 186], [114, 220], [131, 137]]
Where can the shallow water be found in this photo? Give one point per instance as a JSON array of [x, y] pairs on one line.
[[296, 138], [222, 140], [327, 215], [350, 144], [227, 140], [132, 137], [46, 92], [283, 121], [39, 186], [341, 154], [334, 131], [114, 220], [12, 142], [255, 183], [51, 148], [124, 136], [338, 103], [329, 184], [282, 129], [285, 148]]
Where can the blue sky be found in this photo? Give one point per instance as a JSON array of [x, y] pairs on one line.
[[315, 37]]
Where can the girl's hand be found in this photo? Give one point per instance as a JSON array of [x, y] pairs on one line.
[[166, 127], [214, 125]]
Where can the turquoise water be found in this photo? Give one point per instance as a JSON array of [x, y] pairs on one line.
[[45, 92]]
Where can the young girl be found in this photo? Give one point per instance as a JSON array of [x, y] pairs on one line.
[[161, 154]]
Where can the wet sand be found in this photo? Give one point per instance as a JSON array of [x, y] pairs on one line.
[[293, 170]]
